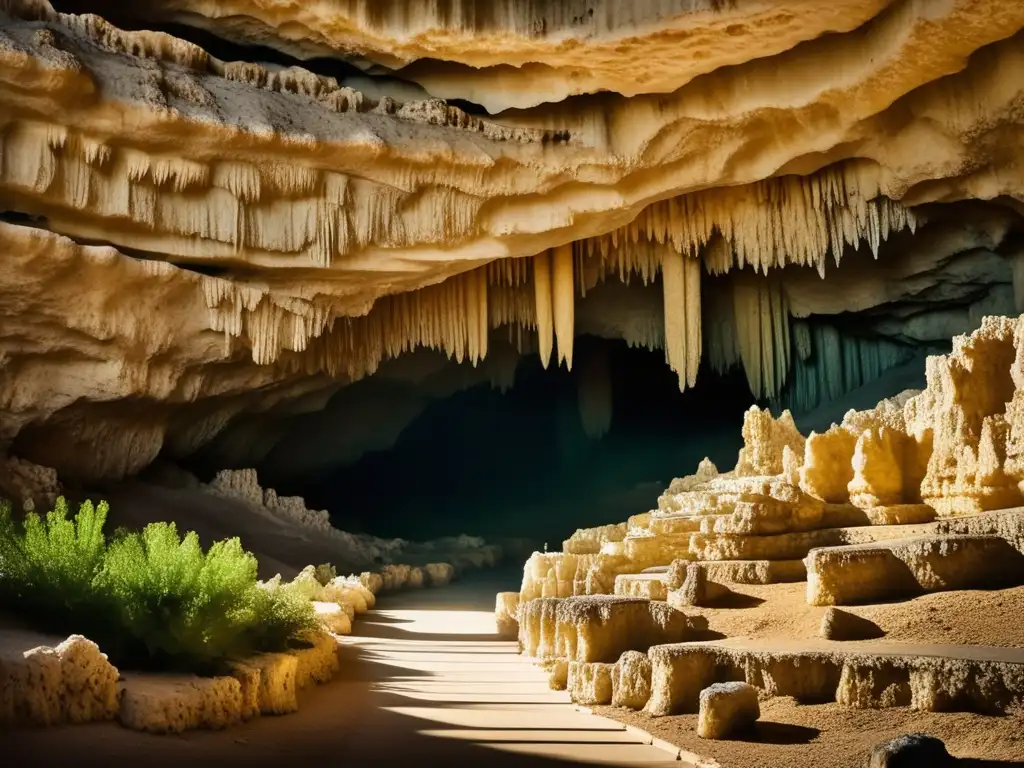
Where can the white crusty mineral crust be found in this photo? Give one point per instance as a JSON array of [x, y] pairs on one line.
[[590, 682], [631, 680]]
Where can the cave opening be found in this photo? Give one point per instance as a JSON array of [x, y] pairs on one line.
[[535, 459]]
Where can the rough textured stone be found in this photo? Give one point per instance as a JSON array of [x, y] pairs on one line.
[[590, 682], [929, 678], [631, 680], [177, 703], [72, 682], [860, 573], [289, 230], [599, 627], [727, 709], [506, 614], [910, 750], [837, 624], [696, 589]]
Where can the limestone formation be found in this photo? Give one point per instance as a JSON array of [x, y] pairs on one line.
[[506, 614], [696, 588], [873, 572], [71, 682], [908, 750], [307, 230], [172, 703], [927, 678], [631, 680], [261, 237], [727, 709], [837, 624], [598, 627], [590, 683]]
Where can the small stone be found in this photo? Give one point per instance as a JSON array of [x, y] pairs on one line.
[[837, 624], [911, 750], [696, 589], [727, 709]]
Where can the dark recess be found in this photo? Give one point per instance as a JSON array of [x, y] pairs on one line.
[[519, 463]]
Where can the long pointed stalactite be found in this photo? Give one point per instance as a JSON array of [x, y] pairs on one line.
[[741, 238]]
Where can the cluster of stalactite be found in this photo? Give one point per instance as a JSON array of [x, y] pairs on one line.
[[743, 320], [828, 364]]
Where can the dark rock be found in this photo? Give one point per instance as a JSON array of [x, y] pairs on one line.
[[911, 750]]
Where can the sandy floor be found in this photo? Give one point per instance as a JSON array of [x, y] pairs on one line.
[[791, 735], [974, 617]]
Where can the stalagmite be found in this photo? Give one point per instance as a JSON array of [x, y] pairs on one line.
[[563, 297], [543, 302]]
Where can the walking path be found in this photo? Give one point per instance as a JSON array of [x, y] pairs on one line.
[[425, 680]]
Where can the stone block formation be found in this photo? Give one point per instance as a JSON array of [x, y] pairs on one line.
[[727, 709], [917, 496]]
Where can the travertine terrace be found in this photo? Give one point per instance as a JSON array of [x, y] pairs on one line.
[[921, 494], [417, 269]]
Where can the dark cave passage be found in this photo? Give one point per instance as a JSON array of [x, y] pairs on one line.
[[520, 463]]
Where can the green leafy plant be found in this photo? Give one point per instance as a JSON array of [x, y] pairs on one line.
[[284, 616], [152, 598], [48, 568]]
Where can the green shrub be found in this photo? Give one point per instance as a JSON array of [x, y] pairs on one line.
[[285, 614], [47, 569], [150, 599]]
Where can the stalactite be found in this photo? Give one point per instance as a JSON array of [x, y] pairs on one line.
[[721, 331], [483, 327], [747, 308], [543, 304], [787, 220], [673, 286], [762, 331], [694, 336], [836, 364], [563, 298]]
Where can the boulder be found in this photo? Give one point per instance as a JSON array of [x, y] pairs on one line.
[[727, 709], [910, 750], [631, 680], [837, 624]]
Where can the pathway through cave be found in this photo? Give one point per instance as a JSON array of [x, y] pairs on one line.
[[424, 680]]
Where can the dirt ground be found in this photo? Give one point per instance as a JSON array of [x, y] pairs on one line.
[[973, 617], [793, 735]]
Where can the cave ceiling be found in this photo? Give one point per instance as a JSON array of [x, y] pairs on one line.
[[217, 218]]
